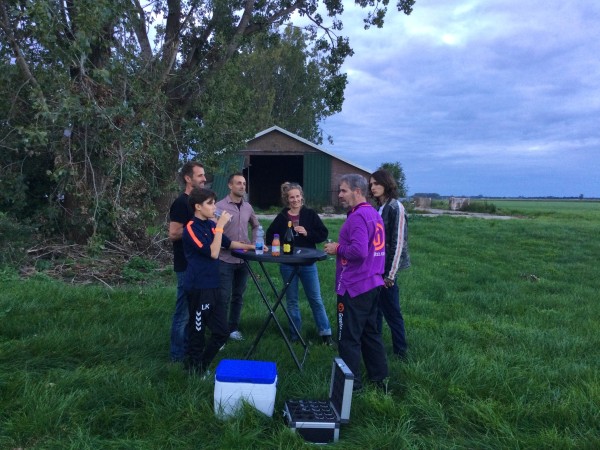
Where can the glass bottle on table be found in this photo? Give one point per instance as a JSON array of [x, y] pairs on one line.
[[275, 245], [288, 240]]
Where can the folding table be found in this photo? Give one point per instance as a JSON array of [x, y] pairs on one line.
[[301, 257]]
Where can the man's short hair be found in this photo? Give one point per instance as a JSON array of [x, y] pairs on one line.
[[356, 181], [187, 170], [199, 195], [237, 174]]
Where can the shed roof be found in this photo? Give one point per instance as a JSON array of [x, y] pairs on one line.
[[311, 144]]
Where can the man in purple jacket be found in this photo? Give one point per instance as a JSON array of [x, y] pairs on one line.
[[360, 262]]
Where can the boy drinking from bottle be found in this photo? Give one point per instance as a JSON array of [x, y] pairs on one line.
[[202, 242]]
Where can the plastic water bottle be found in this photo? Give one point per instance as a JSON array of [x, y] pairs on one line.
[[260, 240]]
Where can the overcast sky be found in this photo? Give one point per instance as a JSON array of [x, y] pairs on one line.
[[491, 97]]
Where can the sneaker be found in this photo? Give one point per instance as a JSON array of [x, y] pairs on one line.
[[236, 336], [327, 340]]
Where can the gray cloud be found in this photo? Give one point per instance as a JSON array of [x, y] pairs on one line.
[[477, 97]]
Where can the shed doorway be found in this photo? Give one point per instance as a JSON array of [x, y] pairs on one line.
[[265, 174]]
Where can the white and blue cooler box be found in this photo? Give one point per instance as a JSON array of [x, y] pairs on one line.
[[319, 421], [252, 381]]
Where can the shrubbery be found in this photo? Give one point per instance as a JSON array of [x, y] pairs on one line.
[[139, 269], [15, 239], [439, 204], [481, 207]]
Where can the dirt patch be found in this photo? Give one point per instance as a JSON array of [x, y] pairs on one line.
[[431, 212], [426, 212]]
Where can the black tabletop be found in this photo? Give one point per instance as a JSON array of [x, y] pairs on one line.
[[301, 257]]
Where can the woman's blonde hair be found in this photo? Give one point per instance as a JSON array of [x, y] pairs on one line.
[[288, 186]]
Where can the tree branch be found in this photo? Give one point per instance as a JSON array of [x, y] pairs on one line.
[[172, 36], [139, 27], [20, 58]]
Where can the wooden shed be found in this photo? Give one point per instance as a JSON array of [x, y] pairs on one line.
[[275, 155]]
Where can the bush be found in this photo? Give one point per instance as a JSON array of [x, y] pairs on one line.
[[15, 239], [439, 204], [481, 207], [139, 269]]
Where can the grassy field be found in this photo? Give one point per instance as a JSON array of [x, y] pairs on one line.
[[568, 210], [502, 319]]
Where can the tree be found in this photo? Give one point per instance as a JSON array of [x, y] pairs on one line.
[[395, 169], [105, 112], [277, 79]]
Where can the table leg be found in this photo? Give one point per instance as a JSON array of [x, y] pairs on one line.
[[279, 297]]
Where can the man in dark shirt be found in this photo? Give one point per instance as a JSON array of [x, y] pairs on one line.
[[192, 174]]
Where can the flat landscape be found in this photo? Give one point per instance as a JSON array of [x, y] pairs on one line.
[[502, 318]]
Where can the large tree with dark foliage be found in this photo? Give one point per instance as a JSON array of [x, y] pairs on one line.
[[100, 100]]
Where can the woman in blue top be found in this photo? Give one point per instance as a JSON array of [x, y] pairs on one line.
[[202, 242], [310, 231]]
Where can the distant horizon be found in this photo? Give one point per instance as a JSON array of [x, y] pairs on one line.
[[507, 197]]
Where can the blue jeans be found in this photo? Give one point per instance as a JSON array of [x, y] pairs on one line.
[[310, 282], [389, 307], [234, 278], [180, 320]]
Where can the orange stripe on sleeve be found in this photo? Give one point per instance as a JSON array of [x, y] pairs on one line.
[[192, 235]]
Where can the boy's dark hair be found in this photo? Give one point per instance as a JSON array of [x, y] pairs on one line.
[[385, 179], [199, 196], [237, 174], [187, 170]]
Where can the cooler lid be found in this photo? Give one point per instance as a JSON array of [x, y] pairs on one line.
[[244, 371]]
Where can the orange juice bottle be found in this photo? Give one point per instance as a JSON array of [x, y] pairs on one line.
[[275, 245]]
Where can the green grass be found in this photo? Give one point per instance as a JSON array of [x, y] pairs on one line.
[[502, 319], [588, 210]]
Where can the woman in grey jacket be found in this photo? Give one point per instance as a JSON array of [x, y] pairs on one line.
[[384, 190]]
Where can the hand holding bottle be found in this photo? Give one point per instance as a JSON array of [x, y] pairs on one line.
[[222, 218], [331, 247]]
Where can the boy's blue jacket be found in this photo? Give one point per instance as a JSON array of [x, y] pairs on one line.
[[202, 271]]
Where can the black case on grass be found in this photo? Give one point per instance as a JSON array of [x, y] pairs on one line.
[[319, 421]]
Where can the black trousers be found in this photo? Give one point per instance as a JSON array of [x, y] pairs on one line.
[[206, 311], [358, 334]]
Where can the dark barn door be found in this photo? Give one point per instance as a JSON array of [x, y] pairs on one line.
[[267, 173]]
